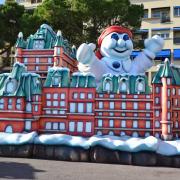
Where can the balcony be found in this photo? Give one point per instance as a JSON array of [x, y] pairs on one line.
[[176, 40], [165, 19]]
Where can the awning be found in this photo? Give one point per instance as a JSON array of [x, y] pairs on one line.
[[135, 53], [176, 6], [165, 53], [176, 28], [161, 29], [176, 54], [142, 31]]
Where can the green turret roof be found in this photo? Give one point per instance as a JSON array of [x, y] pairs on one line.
[[57, 77], [20, 43], [168, 71], [20, 83], [130, 81], [59, 39]]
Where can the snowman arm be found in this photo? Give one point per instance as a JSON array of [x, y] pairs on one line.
[[142, 62], [96, 67]]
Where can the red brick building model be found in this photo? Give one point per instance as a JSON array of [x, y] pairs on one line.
[[71, 104]]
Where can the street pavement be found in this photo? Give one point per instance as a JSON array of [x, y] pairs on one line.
[[16, 168]]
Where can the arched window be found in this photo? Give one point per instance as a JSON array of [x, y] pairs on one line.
[[8, 129], [123, 84], [140, 85], [111, 133], [147, 134], [122, 133], [135, 134], [157, 135], [107, 84], [99, 133]]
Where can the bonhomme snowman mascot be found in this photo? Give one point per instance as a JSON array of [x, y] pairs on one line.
[[113, 56]]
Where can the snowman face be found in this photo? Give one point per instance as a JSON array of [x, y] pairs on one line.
[[116, 46]]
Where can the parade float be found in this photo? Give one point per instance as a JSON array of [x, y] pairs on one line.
[[97, 108]]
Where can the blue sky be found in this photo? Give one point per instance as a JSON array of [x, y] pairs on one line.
[[2, 1]]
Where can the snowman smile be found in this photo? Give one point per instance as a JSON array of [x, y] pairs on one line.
[[119, 51]]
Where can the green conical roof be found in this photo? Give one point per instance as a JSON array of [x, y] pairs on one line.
[[166, 71]]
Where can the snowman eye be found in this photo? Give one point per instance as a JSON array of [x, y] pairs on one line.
[[125, 37], [115, 36]]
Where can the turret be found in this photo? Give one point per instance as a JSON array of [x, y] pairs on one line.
[[58, 49]]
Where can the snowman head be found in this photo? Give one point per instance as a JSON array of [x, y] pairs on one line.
[[115, 42]]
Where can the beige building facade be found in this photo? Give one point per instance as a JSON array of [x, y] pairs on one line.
[[162, 17], [29, 4]]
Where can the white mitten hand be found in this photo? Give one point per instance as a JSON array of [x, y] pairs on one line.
[[85, 53], [153, 45]]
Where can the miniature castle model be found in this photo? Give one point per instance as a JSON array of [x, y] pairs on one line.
[[72, 104]]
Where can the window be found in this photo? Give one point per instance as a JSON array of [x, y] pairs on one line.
[[148, 124], [169, 92], [107, 84], [18, 104], [123, 114], [169, 104], [176, 11], [123, 96], [80, 107], [157, 124], [55, 126], [135, 105], [157, 100], [28, 125], [147, 134], [100, 123], [148, 115], [88, 127], [1, 103], [169, 115], [111, 95], [135, 124], [55, 103], [9, 129], [123, 105], [111, 105], [62, 103], [9, 103], [48, 125], [37, 68], [135, 134], [36, 98], [48, 103], [61, 112], [82, 95], [157, 113], [90, 95], [168, 81], [140, 85], [123, 123], [111, 133], [123, 85], [176, 124], [99, 133], [89, 107], [111, 114], [111, 123], [25, 60], [36, 108], [38, 44], [37, 60], [157, 90], [80, 127], [48, 111], [157, 135], [62, 126], [63, 95], [28, 107], [148, 105], [56, 80], [55, 95], [145, 14], [122, 133], [100, 105], [72, 107], [179, 92], [174, 91], [75, 95], [71, 126], [101, 95], [49, 60], [48, 96], [135, 96], [55, 111], [169, 128]]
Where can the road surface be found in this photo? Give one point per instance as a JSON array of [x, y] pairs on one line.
[[15, 168]]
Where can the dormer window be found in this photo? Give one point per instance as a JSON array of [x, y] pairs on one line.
[[56, 80], [140, 85], [123, 85], [11, 86], [107, 85], [38, 44]]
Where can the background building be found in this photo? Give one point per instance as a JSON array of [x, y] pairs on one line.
[[29, 4], [161, 17]]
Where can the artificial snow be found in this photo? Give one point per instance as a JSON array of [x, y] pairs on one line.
[[123, 143], [17, 138]]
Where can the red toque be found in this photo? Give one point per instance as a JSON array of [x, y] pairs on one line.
[[110, 29]]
